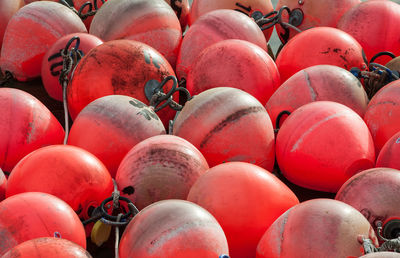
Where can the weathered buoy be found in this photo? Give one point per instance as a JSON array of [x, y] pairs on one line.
[[389, 155], [31, 32], [32, 215], [245, 199], [159, 168], [211, 28], [7, 9], [237, 64], [316, 228], [383, 114], [25, 125], [173, 228], [316, 83], [110, 126], [70, 173], [330, 46], [310, 144], [151, 22], [381, 255], [52, 61], [228, 124], [374, 25], [47, 247]]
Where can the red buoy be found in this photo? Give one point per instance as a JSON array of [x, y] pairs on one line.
[[316, 83], [245, 199], [159, 168], [151, 22], [3, 185], [237, 64], [228, 124], [329, 46], [52, 63], [181, 9], [390, 153], [383, 114], [211, 28], [374, 192], [25, 125], [32, 215], [70, 173], [310, 146], [173, 228], [122, 67], [47, 247], [7, 9], [316, 228], [308, 14], [110, 126], [31, 32], [374, 24]]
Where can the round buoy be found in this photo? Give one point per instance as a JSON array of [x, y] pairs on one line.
[[228, 124], [316, 228], [151, 22], [374, 25], [237, 64], [381, 255], [390, 153], [374, 192], [32, 215], [383, 114], [123, 67], [211, 28], [311, 142], [173, 228], [181, 9], [31, 32], [52, 61], [110, 126], [7, 9], [25, 125], [47, 247], [226, 190], [159, 168], [70, 173], [329, 46], [316, 83], [3, 185], [306, 14]]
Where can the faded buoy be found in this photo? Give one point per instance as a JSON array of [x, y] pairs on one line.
[[245, 199], [310, 144], [159, 168], [173, 228], [390, 153], [228, 124]]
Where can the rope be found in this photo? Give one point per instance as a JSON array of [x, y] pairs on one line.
[[117, 237]]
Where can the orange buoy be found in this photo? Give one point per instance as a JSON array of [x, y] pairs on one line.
[[52, 61], [70, 173], [123, 67], [383, 114], [245, 199], [159, 168], [329, 46], [389, 154], [181, 9], [32, 215], [234, 63], [374, 24], [228, 124], [306, 14], [374, 193], [110, 126], [3, 185], [31, 32], [316, 83], [316, 228], [25, 125], [47, 247], [7, 9], [173, 228], [211, 28], [310, 144], [151, 22]]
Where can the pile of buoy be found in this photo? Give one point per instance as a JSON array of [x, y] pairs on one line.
[[184, 133]]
